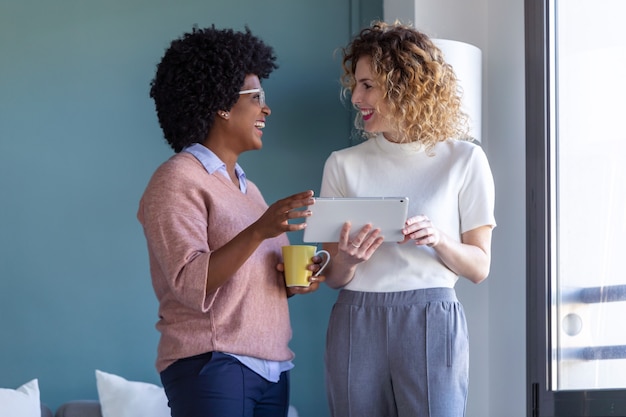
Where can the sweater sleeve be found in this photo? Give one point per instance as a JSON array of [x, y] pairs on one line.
[[174, 218], [181, 253]]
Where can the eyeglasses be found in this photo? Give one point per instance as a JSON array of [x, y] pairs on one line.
[[256, 90]]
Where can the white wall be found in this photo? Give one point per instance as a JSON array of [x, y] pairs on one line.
[[496, 309]]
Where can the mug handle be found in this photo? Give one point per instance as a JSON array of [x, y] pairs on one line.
[[327, 259]]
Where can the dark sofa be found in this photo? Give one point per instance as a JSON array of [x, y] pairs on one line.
[[79, 408]]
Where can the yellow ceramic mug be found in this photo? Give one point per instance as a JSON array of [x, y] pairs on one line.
[[296, 258]]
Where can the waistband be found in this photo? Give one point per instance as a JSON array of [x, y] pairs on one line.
[[386, 299]]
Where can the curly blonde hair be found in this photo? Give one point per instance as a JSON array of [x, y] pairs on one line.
[[419, 87]]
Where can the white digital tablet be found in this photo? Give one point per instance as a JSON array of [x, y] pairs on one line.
[[330, 213]]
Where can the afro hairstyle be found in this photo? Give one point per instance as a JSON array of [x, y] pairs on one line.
[[200, 73]]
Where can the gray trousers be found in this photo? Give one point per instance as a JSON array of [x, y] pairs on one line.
[[402, 354]]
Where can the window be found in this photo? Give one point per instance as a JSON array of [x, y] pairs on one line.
[[576, 205]]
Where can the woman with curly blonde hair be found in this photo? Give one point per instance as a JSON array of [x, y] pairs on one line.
[[397, 341]]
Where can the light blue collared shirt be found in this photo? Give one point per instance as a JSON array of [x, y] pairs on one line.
[[269, 370], [212, 163]]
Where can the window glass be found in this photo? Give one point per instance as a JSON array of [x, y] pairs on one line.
[[589, 182]]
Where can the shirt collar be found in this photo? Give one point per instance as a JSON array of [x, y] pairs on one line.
[[213, 163]]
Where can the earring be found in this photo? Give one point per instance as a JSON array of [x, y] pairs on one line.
[[224, 114]]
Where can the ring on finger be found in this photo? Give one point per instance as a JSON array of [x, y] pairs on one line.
[[355, 245]]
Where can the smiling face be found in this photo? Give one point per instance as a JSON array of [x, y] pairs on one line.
[[247, 117], [367, 97]]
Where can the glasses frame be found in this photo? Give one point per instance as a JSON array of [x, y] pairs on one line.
[[256, 90]]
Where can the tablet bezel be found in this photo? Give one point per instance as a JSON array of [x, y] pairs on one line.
[[330, 213]]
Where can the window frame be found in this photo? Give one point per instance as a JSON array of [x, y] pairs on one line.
[[542, 401]]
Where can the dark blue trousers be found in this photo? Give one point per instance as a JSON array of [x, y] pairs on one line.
[[218, 385]]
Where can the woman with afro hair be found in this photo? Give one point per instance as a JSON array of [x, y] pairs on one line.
[[214, 244], [397, 338]]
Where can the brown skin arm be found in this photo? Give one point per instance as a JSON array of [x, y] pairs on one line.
[[314, 280], [226, 260]]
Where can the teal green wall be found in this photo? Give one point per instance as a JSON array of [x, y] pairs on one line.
[[78, 142]]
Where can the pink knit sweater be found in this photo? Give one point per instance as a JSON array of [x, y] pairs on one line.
[[186, 213]]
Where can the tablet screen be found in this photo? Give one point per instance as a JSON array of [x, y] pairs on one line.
[[330, 213]]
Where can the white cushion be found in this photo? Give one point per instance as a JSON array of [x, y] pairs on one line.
[[21, 402], [122, 398]]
